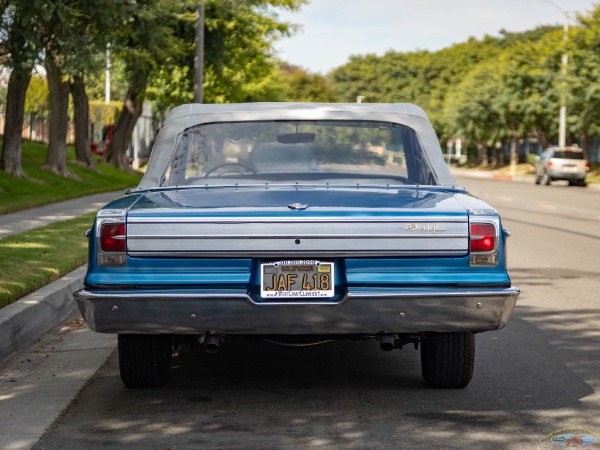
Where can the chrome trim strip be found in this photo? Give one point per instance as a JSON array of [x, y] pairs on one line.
[[293, 254], [366, 293], [159, 295], [296, 235], [132, 219]]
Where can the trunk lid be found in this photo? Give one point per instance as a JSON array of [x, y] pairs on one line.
[[292, 221]]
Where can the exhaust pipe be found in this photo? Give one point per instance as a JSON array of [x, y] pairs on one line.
[[386, 342], [211, 343]]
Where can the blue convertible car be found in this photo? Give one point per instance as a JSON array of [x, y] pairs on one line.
[[297, 223]]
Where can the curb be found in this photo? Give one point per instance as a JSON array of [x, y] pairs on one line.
[[30, 317]]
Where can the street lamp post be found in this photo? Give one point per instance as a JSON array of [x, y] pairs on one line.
[[199, 54], [562, 118]]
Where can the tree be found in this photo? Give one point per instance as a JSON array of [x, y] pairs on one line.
[[19, 46], [59, 120], [156, 47], [584, 78], [471, 111], [532, 75], [142, 43], [81, 113], [424, 78], [455, 85], [302, 86], [73, 33]]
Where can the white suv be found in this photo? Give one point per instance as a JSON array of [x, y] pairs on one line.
[[562, 163]]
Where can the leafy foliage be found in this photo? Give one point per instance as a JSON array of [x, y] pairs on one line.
[[239, 62], [299, 85], [36, 99], [490, 89]]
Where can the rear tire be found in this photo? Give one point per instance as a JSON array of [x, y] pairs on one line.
[[448, 359], [145, 359]]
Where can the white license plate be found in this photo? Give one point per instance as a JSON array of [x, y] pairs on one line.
[[297, 279]]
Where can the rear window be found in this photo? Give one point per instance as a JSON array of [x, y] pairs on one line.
[[568, 154], [295, 151]]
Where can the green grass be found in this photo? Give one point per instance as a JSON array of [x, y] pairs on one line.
[[40, 186], [33, 259], [594, 174]]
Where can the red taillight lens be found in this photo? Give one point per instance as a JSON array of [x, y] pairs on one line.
[[550, 165], [483, 237], [112, 237], [587, 165]]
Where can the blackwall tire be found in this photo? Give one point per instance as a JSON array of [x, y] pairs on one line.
[[145, 359], [448, 359]]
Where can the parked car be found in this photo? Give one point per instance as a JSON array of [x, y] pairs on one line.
[[562, 163], [297, 223]]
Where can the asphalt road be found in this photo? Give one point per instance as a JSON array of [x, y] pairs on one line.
[[539, 375]]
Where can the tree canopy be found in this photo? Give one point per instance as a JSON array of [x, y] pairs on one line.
[[495, 88]]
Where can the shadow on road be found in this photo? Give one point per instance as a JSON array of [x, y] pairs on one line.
[[528, 381]]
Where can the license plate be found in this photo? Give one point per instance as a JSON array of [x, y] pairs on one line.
[[297, 279]]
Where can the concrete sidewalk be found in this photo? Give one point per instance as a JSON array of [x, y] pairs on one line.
[[29, 219], [38, 383], [33, 315], [490, 175]]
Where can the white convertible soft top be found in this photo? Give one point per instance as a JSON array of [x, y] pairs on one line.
[[186, 116]]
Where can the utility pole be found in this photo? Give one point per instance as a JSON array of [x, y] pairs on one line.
[[562, 120], [199, 53], [107, 86], [562, 117]]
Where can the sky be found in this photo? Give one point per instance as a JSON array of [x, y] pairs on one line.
[[333, 30]]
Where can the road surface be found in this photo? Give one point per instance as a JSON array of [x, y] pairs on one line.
[[538, 376]]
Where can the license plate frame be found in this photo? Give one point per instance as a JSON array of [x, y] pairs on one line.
[[297, 279]]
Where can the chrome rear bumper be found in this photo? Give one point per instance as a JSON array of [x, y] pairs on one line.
[[362, 310]]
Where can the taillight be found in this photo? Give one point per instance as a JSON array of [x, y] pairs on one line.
[[550, 165], [483, 237], [587, 166], [112, 237]]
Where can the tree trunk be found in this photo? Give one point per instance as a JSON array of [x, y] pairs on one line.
[[132, 110], [482, 158], [514, 157], [81, 110], [18, 83], [585, 145], [501, 155], [59, 119]]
